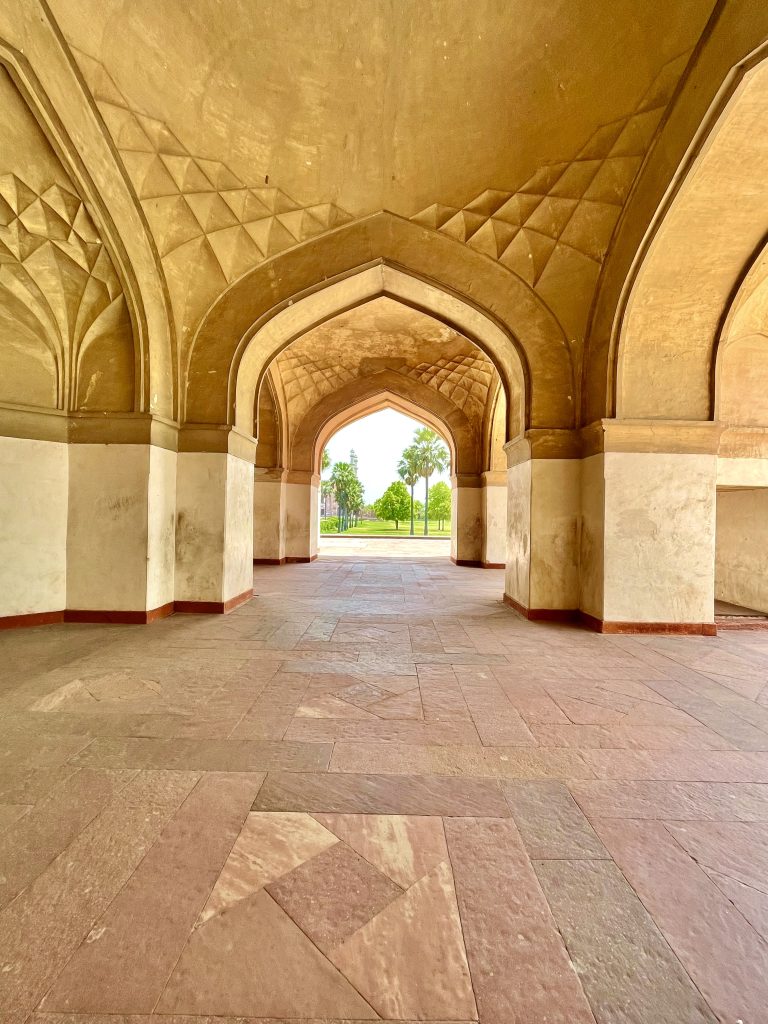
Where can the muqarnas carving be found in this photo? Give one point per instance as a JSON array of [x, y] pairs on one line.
[[557, 226], [310, 368], [65, 334], [209, 227]]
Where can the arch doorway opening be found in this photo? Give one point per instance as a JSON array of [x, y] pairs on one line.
[[382, 359], [386, 487]]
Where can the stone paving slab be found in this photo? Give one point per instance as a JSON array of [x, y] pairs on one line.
[[374, 792]]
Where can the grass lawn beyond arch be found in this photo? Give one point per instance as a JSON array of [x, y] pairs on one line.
[[382, 528]]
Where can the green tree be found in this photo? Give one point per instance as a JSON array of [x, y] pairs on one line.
[[419, 508], [409, 472], [326, 489], [440, 502], [355, 499], [431, 456], [394, 504], [343, 480], [325, 461]]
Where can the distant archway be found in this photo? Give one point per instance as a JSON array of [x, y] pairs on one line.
[[382, 255], [385, 390]]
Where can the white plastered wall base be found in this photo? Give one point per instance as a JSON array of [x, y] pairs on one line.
[[121, 527], [268, 518], [741, 567], [494, 513], [214, 527], [467, 525], [658, 537], [543, 499], [33, 526], [301, 521]]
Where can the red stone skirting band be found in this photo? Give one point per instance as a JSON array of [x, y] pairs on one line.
[[601, 626], [470, 563], [125, 618], [285, 560], [541, 614], [31, 619]]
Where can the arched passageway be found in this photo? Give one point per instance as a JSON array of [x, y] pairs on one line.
[[688, 374], [384, 354], [377, 790], [602, 325]]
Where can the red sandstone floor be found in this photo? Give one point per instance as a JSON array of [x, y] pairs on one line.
[[374, 792]]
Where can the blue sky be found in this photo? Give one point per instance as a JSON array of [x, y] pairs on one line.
[[379, 440]]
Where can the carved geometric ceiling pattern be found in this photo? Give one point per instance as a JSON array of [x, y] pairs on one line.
[[384, 336], [465, 378], [208, 225], [573, 205], [58, 275], [305, 379]]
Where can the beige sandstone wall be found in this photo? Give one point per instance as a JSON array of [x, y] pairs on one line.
[[517, 575], [741, 567], [591, 560], [301, 520], [107, 527], [214, 527], [238, 529], [554, 556], [659, 539], [161, 527], [466, 524], [33, 527], [495, 524], [268, 517]]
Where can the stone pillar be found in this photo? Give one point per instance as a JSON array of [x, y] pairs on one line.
[[33, 530], [467, 519], [648, 526], [542, 571], [302, 515], [214, 527], [741, 568], [494, 512], [120, 531], [741, 563], [269, 516]]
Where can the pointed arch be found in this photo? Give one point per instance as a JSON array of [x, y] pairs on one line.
[[709, 233], [385, 390], [381, 255]]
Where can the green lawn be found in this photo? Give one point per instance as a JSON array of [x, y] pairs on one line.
[[381, 528]]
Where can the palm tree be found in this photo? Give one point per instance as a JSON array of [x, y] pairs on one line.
[[355, 499], [409, 472], [432, 457], [325, 460], [343, 480]]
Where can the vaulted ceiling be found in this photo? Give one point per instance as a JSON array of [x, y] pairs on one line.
[[385, 335], [504, 138], [384, 104]]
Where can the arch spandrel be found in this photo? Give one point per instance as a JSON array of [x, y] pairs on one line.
[[383, 390], [526, 339], [32, 51], [740, 370], [712, 227]]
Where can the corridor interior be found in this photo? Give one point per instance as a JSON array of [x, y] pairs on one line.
[[375, 792], [250, 776]]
